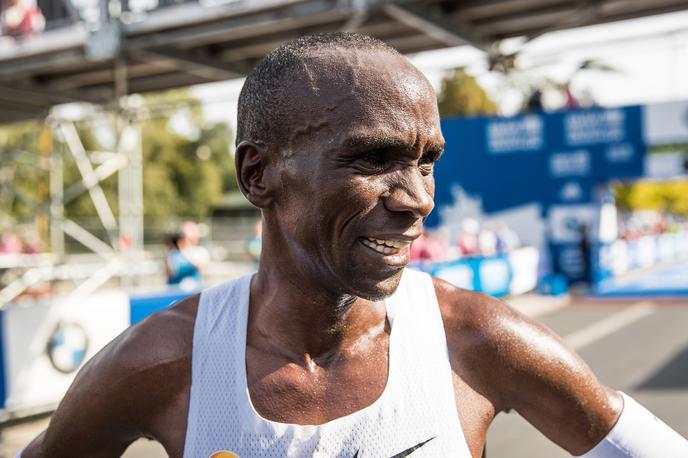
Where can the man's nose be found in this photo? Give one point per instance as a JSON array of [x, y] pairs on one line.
[[411, 194]]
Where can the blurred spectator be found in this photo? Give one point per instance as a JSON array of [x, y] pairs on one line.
[[20, 19], [180, 270], [427, 248], [534, 103], [487, 241], [571, 100], [10, 243], [639, 224], [196, 253], [185, 259], [586, 251], [507, 239], [468, 239], [31, 243], [474, 240]]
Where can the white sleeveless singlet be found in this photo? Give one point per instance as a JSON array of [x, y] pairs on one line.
[[415, 415]]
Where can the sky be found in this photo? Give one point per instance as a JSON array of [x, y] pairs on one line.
[[650, 56]]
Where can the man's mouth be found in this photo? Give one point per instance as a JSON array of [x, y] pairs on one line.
[[385, 246]]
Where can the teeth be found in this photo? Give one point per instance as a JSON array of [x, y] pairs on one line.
[[384, 246], [389, 243]]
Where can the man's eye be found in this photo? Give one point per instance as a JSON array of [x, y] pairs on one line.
[[427, 163], [373, 160], [427, 168]]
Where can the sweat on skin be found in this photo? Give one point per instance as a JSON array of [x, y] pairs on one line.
[[346, 163]]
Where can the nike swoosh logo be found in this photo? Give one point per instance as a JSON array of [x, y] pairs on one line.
[[406, 452], [410, 450]]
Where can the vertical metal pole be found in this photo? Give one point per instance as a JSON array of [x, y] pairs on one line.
[[56, 199], [121, 80], [131, 187], [130, 182], [136, 155]]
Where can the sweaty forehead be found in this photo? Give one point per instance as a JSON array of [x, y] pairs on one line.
[[344, 90]]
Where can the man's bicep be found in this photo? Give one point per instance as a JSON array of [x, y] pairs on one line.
[[550, 385], [522, 365]]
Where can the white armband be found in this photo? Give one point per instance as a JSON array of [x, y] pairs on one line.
[[639, 434]]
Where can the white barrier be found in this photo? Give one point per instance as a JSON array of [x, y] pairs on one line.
[[44, 345], [621, 256]]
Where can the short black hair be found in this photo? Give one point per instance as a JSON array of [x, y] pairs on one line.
[[263, 101]]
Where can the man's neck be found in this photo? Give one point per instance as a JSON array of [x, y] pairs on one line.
[[308, 324]]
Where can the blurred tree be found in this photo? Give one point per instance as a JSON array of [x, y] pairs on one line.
[[667, 196], [187, 165], [23, 172], [185, 176], [462, 95]]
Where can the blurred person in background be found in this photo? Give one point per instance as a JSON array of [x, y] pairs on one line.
[[469, 244], [180, 268], [487, 241], [507, 239], [20, 19], [427, 247], [585, 247], [10, 243], [196, 253]]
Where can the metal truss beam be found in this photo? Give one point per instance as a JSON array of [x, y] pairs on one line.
[[87, 239], [103, 171], [43, 96], [189, 14], [90, 178], [450, 32], [196, 65], [60, 59], [130, 183], [294, 15]]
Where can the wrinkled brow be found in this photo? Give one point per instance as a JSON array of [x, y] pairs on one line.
[[376, 143]]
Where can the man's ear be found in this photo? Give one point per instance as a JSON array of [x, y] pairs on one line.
[[250, 160]]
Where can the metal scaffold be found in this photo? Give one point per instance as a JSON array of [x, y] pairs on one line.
[[120, 253]]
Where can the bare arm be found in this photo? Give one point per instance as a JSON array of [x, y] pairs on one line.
[[130, 389], [520, 364]]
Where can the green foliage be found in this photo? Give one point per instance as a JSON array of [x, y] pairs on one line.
[[182, 176], [184, 172], [671, 148], [668, 197], [461, 95], [23, 173]]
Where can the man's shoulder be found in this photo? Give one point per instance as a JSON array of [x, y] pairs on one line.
[[136, 386], [154, 354], [157, 347], [166, 335], [474, 322], [469, 311], [493, 347]]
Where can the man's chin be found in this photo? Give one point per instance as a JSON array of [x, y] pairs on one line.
[[378, 289]]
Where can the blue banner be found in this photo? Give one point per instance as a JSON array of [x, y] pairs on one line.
[[552, 159]]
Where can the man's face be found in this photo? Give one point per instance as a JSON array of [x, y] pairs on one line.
[[356, 172]]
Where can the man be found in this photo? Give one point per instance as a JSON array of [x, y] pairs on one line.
[[197, 254], [186, 260], [333, 348]]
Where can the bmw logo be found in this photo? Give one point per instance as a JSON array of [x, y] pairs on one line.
[[67, 347]]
